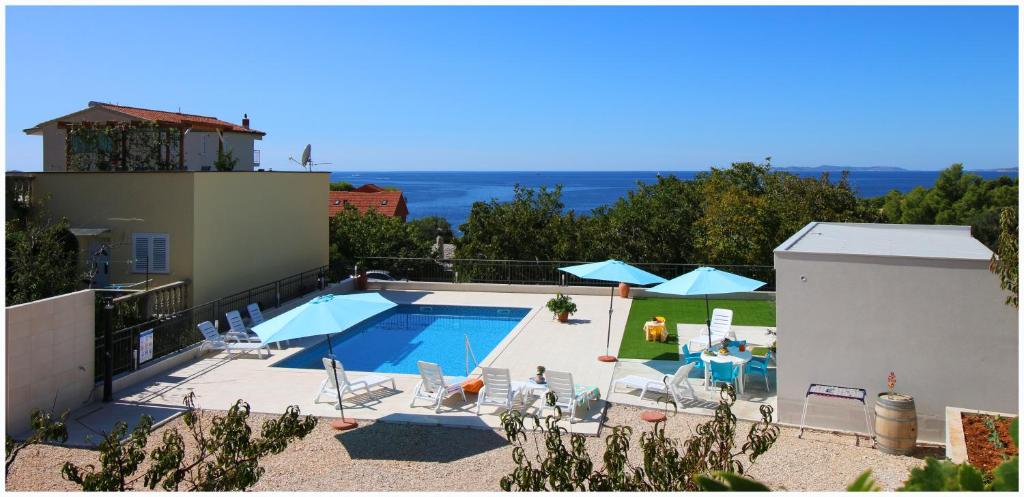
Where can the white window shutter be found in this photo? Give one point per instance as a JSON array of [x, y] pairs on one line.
[[159, 260], [141, 252]]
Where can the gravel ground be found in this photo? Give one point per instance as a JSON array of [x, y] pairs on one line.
[[380, 457]]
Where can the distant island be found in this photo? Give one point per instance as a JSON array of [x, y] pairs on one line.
[[829, 168]]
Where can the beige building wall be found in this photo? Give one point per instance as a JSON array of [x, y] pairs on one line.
[[939, 324], [253, 228], [126, 203], [50, 350]]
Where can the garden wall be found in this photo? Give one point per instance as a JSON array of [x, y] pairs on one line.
[[50, 346]]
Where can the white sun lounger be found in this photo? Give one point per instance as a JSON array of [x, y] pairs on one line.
[[499, 389], [675, 385], [433, 387], [721, 328], [228, 342], [255, 318], [329, 386], [567, 396]]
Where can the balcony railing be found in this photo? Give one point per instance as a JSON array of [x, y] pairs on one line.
[[513, 272]]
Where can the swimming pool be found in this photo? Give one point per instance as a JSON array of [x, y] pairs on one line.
[[393, 341]]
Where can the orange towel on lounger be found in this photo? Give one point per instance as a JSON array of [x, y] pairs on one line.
[[473, 386]]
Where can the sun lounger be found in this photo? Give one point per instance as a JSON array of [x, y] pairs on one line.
[[568, 395], [675, 385], [256, 317], [499, 389], [433, 387], [229, 342], [330, 386]]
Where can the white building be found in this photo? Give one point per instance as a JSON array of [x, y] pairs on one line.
[[856, 301], [202, 136]]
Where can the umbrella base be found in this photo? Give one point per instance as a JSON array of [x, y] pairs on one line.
[[607, 358], [344, 424], [653, 416]]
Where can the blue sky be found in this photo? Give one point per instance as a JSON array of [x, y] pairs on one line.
[[563, 88]]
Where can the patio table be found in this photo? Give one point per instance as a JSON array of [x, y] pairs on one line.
[[734, 357]]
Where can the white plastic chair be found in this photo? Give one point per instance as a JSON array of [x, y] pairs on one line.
[[675, 385], [499, 389], [433, 387], [566, 395], [329, 386], [215, 341]]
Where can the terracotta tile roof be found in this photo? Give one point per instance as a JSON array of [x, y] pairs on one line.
[[368, 188], [389, 203], [175, 117]]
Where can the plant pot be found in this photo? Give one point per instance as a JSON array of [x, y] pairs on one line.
[[563, 317], [539, 379], [623, 290], [361, 281]]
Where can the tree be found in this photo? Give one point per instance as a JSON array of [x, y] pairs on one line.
[[224, 457], [226, 161], [341, 186], [1005, 259], [45, 428], [959, 198], [427, 229], [42, 259], [668, 464], [354, 236], [532, 226]]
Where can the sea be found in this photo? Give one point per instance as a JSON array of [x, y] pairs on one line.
[[451, 194]]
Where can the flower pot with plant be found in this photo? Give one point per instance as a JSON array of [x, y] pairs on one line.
[[562, 307]]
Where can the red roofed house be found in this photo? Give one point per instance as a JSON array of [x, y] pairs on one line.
[[201, 136], [366, 197]]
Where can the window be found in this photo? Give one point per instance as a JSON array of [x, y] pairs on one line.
[[152, 250]]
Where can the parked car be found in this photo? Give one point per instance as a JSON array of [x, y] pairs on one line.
[[379, 275]]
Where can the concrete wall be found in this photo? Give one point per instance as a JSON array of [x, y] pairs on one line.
[[253, 228], [940, 325], [50, 346], [126, 203]]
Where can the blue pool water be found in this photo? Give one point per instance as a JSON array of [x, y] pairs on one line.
[[392, 342]]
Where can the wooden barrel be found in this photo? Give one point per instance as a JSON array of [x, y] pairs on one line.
[[895, 424]]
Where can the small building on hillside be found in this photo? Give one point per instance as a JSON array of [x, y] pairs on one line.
[[856, 301], [224, 232], [369, 196], [200, 137]]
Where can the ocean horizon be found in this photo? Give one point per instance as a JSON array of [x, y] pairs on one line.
[[451, 194]]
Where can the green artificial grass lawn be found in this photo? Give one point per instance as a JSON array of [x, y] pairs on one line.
[[744, 313]]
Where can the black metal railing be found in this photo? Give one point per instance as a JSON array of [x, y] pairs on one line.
[[176, 330], [514, 272]]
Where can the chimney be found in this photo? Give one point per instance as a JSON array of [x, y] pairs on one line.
[[245, 121]]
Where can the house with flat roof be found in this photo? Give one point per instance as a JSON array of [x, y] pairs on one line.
[[200, 137], [369, 196], [856, 301]]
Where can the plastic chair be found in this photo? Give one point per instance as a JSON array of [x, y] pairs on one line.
[[724, 372], [694, 358], [759, 365]]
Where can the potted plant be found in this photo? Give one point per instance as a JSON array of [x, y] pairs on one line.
[[725, 347], [539, 379], [562, 307]]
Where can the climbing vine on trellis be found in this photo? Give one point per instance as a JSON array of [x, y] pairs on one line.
[[122, 146]]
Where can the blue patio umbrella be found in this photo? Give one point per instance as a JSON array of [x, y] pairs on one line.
[[705, 281], [616, 272], [324, 315]]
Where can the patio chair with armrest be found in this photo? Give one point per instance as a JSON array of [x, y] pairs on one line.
[[724, 372], [693, 358], [759, 365]]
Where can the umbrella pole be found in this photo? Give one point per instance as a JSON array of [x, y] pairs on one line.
[[707, 314], [339, 424], [607, 357]]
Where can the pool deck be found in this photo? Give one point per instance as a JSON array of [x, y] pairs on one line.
[[218, 382]]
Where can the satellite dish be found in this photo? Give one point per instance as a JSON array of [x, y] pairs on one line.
[[307, 159]]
